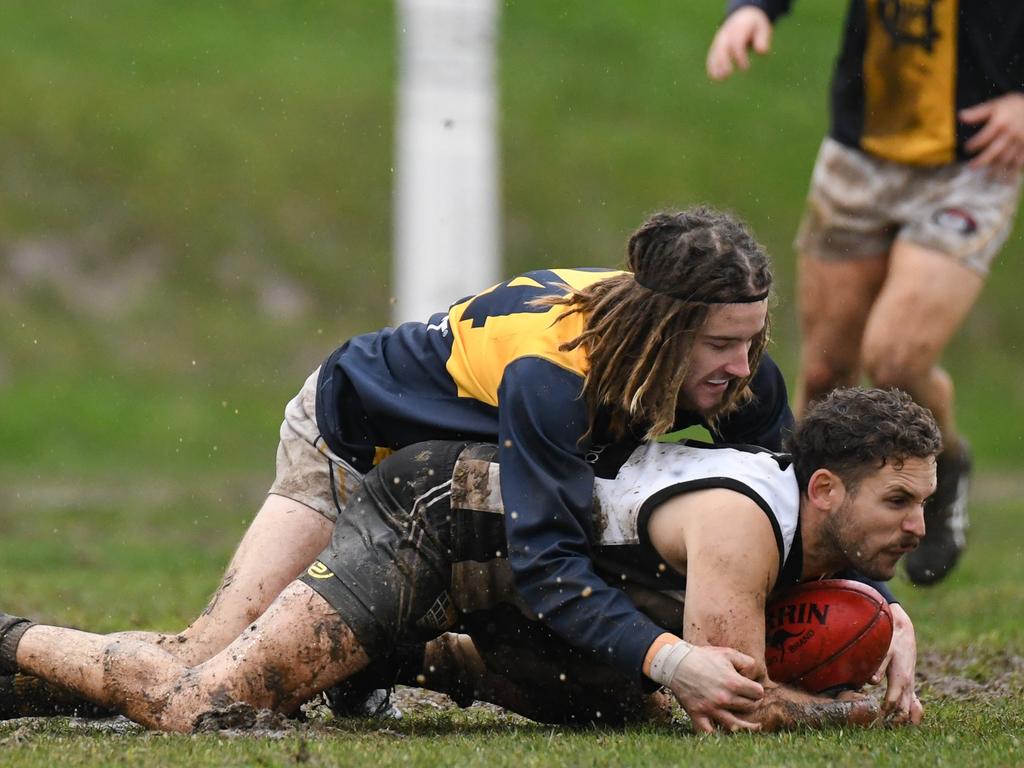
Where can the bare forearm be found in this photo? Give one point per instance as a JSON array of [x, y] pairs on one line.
[[785, 709]]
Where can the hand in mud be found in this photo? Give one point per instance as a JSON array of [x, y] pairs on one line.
[[901, 705]]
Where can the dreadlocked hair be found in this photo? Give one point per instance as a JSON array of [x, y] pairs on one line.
[[638, 340]]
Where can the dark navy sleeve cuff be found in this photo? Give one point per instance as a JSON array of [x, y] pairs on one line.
[[774, 8]]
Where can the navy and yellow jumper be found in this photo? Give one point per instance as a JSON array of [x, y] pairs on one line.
[[906, 67], [490, 369]]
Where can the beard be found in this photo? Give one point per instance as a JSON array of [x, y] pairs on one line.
[[846, 545]]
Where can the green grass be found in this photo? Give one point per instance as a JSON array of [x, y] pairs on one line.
[[488, 740], [980, 605]]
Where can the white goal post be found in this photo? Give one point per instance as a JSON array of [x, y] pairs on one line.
[[446, 231]]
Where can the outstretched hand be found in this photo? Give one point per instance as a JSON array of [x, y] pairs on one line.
[[745, 28], [999, 144]]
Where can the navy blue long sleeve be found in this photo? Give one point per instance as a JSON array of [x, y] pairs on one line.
[[547, 490], [774, 8]]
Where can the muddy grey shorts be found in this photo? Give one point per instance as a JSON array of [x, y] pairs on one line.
[[420, 551], [387, 570], [859, 205], [307, 470]]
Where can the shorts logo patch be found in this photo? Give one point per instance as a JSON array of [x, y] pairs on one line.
[[319, 571], [956, 219]]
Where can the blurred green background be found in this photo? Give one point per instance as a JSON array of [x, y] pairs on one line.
[[195, 207]]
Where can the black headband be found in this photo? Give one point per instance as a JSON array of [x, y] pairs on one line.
[[691, 297]]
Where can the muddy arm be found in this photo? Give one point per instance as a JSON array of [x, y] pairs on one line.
[[785, 709]]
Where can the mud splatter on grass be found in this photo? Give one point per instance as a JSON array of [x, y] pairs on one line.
[[243, 720], [971, 674]]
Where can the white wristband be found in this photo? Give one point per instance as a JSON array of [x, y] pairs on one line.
[[667, 660]]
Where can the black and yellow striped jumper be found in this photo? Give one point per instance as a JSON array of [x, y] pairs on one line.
[[906, 67]]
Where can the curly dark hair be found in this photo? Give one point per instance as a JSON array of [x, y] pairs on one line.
[[638, 339], [853, 431]]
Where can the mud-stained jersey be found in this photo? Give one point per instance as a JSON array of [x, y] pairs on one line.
[[490, 370], [907, 66], [655, 472], [624, 498]]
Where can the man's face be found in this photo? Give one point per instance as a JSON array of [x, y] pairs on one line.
[[884, 518], [720, 353]]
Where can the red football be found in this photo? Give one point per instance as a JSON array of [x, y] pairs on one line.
[[826, 634]]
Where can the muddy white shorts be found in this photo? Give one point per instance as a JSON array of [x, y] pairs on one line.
[[859, 205], [307, 470]]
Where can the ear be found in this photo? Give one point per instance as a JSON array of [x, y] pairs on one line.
[[825, 490]]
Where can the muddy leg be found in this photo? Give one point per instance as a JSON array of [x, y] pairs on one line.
[[283, 539], [299, 646]]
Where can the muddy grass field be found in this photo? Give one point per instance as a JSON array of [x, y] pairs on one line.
[[138, 558], [975, 716]]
